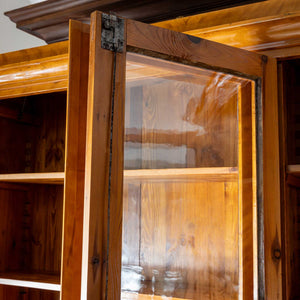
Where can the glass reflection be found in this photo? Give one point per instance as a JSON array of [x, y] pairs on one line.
[[180, 202]]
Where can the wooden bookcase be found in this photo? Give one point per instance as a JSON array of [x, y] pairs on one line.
[[43, 121], [69, 113]]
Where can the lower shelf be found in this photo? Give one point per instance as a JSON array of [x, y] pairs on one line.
[[39, 178], [42, 281], [133, 296]]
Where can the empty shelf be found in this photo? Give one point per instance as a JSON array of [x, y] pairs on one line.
[[40, 178], [32, 280]]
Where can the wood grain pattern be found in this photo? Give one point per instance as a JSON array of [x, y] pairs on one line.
[[274, 22], [271, 184], [38, 281], [40, 145], [32, 77], [75, 160], [49, 21], [20, 293], [195, 260], [98, 266], [246, 203], [33, 241], [187, 174], [192, 50], [39, 178]]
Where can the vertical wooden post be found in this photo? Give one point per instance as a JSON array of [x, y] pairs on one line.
[[75, 160], [101, 261]]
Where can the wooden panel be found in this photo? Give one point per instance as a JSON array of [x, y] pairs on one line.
[[274, 22], [75, 160], [33, 241], [292, 242], [45, 205], [271, 184], [246, 188], [40, 178], [192, 49], [40, 145], [20, 293], [196, 258], [103, 219]]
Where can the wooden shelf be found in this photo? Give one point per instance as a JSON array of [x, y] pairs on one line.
[[199, 174], [293, 169], [134, 296], [40, 178], [35, 281]]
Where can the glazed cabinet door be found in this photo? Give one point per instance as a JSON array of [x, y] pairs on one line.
[[173, 185]]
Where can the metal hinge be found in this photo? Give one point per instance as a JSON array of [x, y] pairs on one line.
[[112, 34]]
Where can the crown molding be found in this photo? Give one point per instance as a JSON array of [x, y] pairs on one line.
[[49, 20]]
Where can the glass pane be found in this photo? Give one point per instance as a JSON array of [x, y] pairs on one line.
[[181, 192]]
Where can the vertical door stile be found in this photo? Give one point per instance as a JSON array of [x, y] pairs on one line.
[[102, 232], [75, 160]]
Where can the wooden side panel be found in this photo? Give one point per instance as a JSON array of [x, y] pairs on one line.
[[101, 261], [271, 184], [75, 160]]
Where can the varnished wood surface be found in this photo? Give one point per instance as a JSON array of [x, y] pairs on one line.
[[96, 176], [293, 169], [75, 160], [274, 22], [103, 219], [40, 145], [49, 21], [39, 178], [33, 71], [185, 174], [31, 280], [246, 199], [191, 50], [32, 243], [22, 293], [271, 185], [194, 253]]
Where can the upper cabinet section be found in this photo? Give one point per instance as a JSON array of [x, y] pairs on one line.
[[49, 20]]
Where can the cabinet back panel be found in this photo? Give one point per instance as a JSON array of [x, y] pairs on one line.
[[17, 293], [181, 239], [293, 239], [32, 135], [31, 228]]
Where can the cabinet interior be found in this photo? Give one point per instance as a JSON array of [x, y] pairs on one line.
[[14, 292], [32, 135], [291, 157], [181, 199], [32, 143]]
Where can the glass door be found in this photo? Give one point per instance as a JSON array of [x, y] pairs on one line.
[[170, 187]]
